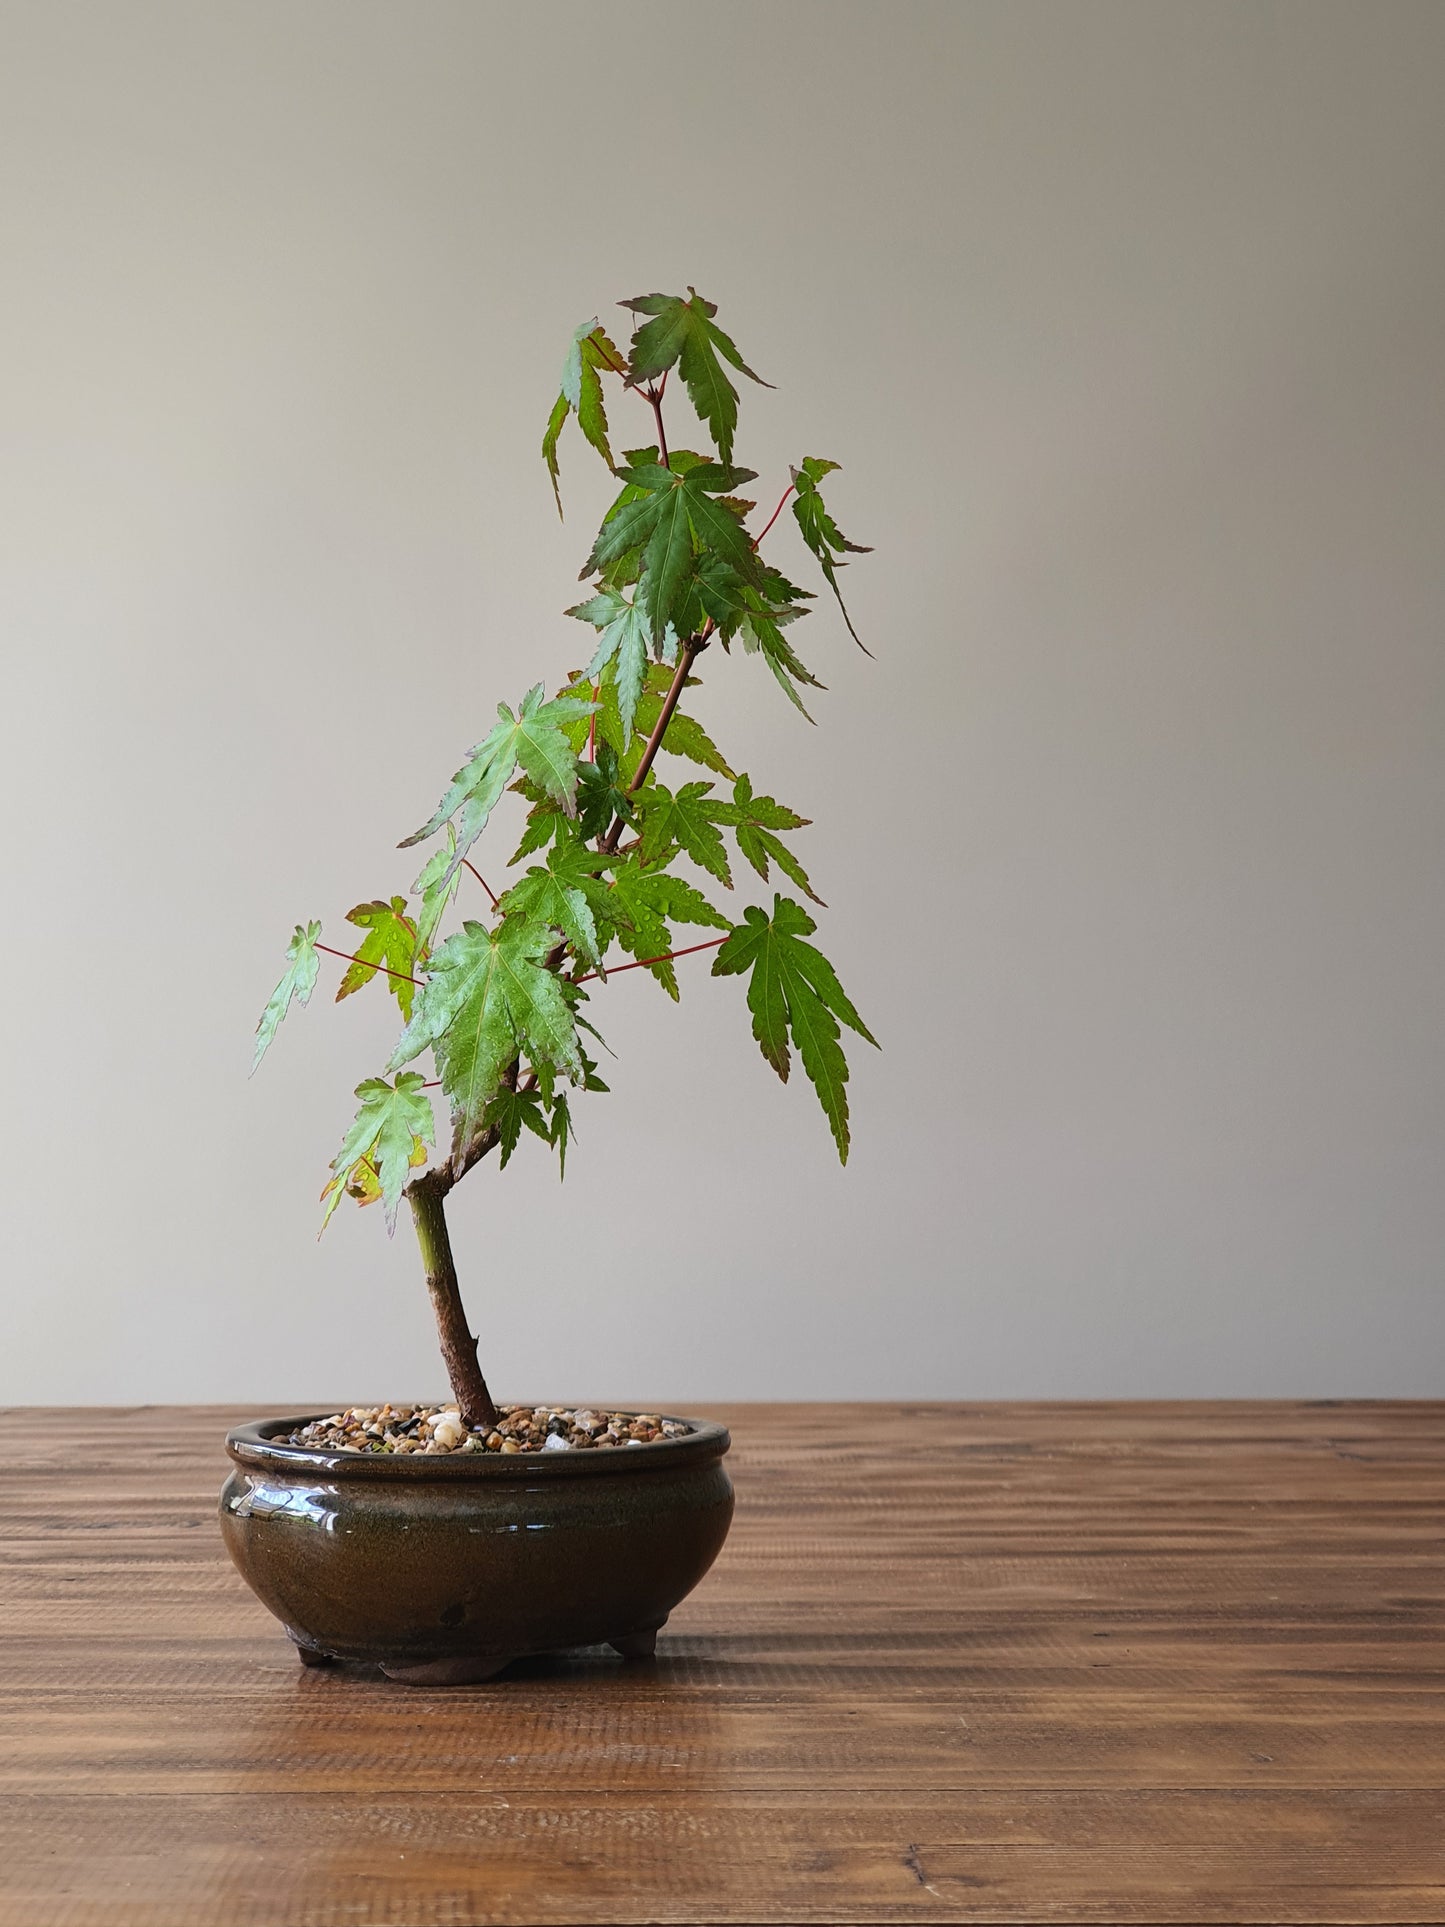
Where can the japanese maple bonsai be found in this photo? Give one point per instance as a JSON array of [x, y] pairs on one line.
[[503, 1002], [675, 569]]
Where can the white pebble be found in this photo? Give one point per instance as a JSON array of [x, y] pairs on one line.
[[556, 1443], [448, 1430]]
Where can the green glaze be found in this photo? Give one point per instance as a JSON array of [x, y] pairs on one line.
[[464, 1561]]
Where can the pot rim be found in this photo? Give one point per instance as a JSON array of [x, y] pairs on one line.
[[258, 1445]]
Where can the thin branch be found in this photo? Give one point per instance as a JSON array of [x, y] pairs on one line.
[[481, 879], [642, 962], [401, 976]]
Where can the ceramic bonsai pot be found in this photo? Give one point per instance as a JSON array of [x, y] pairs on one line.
[[441, 1569]]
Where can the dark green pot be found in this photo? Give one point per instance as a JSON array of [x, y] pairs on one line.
[[441, 1569]]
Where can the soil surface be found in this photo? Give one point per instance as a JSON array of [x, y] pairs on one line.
[[521, 1428]]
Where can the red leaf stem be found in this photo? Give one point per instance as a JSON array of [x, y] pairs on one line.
[[641, 962], [775, 514], [467, 864], [402, 976]]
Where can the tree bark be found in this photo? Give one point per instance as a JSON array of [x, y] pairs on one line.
[[458, 1347]]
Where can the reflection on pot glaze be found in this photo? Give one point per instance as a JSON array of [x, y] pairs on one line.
[[254, 1499]]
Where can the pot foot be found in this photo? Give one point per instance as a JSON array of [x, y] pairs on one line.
[[636, 1645], [470, 1670], [313, 1656]]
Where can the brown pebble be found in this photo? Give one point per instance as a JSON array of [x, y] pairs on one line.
[[520, 1428]]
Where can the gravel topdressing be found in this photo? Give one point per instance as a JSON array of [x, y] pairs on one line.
[[521, 1428]]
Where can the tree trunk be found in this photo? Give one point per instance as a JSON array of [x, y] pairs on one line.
[[458, 1346]]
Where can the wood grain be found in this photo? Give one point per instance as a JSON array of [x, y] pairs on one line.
[[1132, 1663]]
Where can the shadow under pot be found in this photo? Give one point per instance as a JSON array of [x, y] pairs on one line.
[[442, 1569]]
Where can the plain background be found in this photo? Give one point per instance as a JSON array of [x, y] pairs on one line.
[[1127, 323]]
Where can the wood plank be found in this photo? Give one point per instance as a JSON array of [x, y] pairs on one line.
[[975, 1663], [395, 1860]]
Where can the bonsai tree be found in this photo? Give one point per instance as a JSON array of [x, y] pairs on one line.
[[502, 1002]]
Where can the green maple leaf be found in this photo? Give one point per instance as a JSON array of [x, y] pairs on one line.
[[563, 893], [627, 568], [562, 1132], [548, 821], [793, 992], [624, 642], [762, 630], [643, 905], [508, 1113], [486, 1001], [605, 726], [436, 886], [753, 821], [667, 524], [589, 353], [682, 820], [601, 797], [684, 736], [384, 1135], [601, 794], [756, 614], [299, 982], [391, 943], [532, 738], [683, 332], [821, 532]]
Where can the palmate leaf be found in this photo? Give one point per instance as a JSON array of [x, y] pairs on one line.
[[547, 821], [666, 525], [384, 1136], [689, 820], [753, 821], [562, 1132], [683, 332], [601, 798], [508, 1113], [685, 736], [602, 794], [298, 982], [762, 630], [564, 893], [624, 641], [821, 532], [390, 944], [642, 906], [589, 353], [756, 614], [487, 1000], [533, 738], [362, 1183], [682, 820], [794, 993], [436, 886]]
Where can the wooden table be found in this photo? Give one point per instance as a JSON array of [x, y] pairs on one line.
[[957, 1663]]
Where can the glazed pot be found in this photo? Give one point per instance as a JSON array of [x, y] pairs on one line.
[[442, 1568]]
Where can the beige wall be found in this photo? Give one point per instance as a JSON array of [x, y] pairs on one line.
[[1126, 322]]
